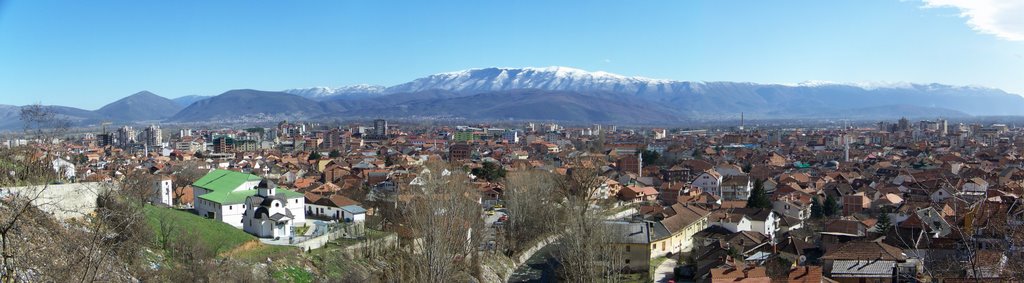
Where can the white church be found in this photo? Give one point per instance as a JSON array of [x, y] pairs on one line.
[[228, 196], [267, 214]]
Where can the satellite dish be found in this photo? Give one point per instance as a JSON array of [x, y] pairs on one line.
[[802, 260]]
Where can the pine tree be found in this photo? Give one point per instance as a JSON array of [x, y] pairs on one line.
[[314, 156], [831, 207], [816, 208], [758, 197], [883, 223], [334, 154]]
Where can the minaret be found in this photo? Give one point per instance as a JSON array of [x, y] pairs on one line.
[[640, 164], [846, 148], [741, 121]]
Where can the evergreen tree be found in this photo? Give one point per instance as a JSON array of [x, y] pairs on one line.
[[490, 171], [883, 223], [334, 154], [758, 197], [831, 207], [650, 156], [816, 209], [314, 156]]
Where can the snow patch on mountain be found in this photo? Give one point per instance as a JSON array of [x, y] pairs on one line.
[[323, 92]]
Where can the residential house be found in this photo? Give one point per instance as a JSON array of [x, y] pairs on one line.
[[742, 273], [731, 221], [709, 181], [795, 205], [634, 239], [865, 261], [638, 194], [762, 220], [736, 187], [682, 222], [326, 206]]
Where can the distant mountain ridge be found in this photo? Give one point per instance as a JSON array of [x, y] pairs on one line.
[[563, 94], [141, 106], [353, 91], [248, 103], [704, 98], [187, 100]]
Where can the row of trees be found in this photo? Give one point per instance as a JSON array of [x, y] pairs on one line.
[[442, 230]]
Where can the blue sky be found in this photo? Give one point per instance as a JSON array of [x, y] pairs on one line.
[[89, 53]]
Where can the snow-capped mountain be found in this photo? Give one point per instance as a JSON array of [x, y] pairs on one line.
[[321, 92], [548, 78], [687, 98], [558, 78]]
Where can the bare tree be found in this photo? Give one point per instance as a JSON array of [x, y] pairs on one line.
[[531, 205], [187, 173], [166, 228], [139, 186], [37, 247], [587, 249], [43, 123], [442, 228], [16, 215], [20, 167]]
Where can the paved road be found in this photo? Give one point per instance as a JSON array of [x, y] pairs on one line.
[[665, 271], [489, 233]]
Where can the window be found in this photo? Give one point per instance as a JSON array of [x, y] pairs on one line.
[[627, 249], [627, 261]]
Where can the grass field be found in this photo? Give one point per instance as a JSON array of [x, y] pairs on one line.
[[261, 252], [292, 274], [215, 235]]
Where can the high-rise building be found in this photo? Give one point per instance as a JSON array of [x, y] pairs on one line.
[[459, 151], [333, 139], [125, 136], [223, 144], [904, 124], [105, 139], [511, 136], [380, 128], [153, 136]]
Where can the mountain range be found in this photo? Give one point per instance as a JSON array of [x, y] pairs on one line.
[[559, 94]]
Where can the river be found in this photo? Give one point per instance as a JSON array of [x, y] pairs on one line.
[[538, 268]]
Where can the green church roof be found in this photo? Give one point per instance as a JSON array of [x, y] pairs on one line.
[[224, 180], [222, 184]]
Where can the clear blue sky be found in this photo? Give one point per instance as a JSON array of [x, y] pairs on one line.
[[89, 53]]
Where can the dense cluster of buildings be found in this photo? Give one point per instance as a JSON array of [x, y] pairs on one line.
[[900, 202]]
